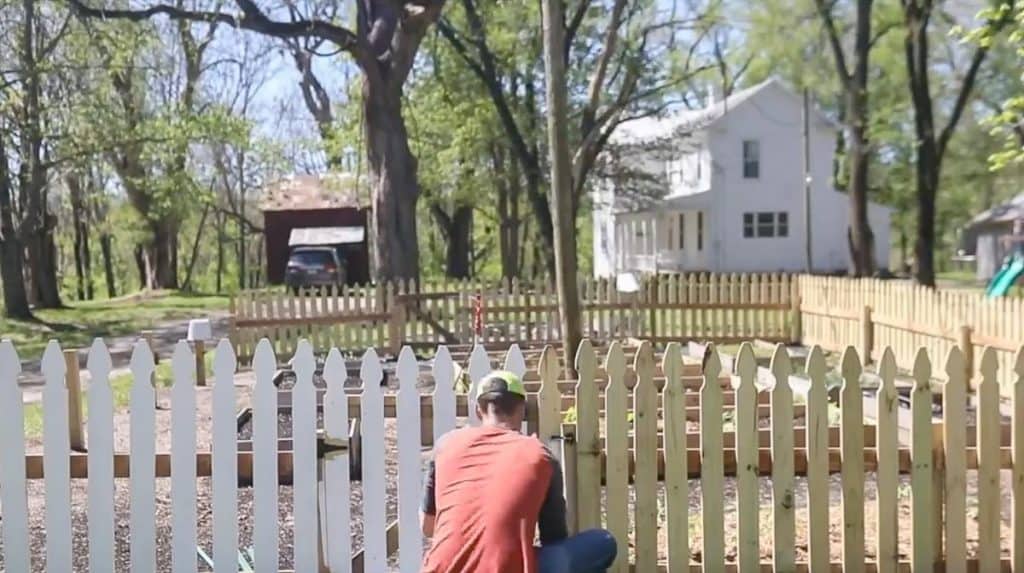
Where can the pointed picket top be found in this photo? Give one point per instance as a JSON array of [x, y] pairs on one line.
[[989, 364], [615, 363], [53, 365], [479, 364], [712, 366], [887, 369], [444, 392], [672, 363], [955, 366], [370, 371], [746, 364], [585, 361], [407, 370], [141, 362], [443, 370], [263, 358], [851, 366], [922, 368], [514, 361], [182, 365], [98, 362], [10, 364], [224, 360], [549, 400], [335, 371], [816, 365], [304, 362], [781, 366]]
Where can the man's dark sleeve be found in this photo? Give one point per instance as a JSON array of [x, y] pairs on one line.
[[551, 521], [429, 506]]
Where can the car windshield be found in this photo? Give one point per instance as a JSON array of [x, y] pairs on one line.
[[311, 258]]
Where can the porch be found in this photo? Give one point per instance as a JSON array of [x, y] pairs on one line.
[[666, 238]]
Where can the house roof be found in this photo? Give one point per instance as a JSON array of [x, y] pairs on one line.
[[1003, 213], [681, 122], [306, 192]]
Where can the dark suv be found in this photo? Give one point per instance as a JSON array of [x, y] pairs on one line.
[[314, 267]]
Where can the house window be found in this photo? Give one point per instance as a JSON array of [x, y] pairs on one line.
[[765, 225], [751, 159], [700, 230], [682, 231]]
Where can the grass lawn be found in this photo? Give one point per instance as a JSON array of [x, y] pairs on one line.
[[81, 322]]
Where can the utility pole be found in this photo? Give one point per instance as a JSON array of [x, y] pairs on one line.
[[561, 181], [809, 264]]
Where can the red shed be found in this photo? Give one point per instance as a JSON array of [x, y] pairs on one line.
[[331, 205]]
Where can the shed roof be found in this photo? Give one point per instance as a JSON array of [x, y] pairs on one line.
[[305, 192], [318, 236], [1002, 213]]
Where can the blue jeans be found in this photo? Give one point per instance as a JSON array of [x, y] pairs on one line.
[[591, 551]]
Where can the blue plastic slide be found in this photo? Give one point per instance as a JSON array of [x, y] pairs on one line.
[[1006, 277]]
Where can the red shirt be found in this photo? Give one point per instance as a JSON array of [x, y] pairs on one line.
[[487, 488]]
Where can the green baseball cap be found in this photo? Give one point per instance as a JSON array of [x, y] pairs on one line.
[[500, 382]]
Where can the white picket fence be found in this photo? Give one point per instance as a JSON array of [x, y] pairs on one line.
[[312, 484]]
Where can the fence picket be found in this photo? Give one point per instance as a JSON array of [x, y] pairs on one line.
[[1017, 477], [410, 542], [851, 406], [954, 406], [13, 495], [183, 460], [617, 453], [677, 494], [336, 464], [921, 484], [712, 465], [748, 496], [225, 462], [374, 504], [783, 495], [444, 393], [479, 366], [143, 464], [645, 446], [588, 439], [264, 442], [514, 361], [101, 460], [886, 442], [305, 481], [988, 463], [816, 441]]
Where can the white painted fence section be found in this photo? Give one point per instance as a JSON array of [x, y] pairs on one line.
[[13, 498], [479, 366], [183, 462], [143, 462]]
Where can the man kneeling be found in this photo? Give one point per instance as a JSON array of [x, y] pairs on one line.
[[489, 488]]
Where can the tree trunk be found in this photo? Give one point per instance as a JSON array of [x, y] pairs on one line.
[[508, 187], [79, 274], [187, 284], [163, 254], [142, 265], [561, 182], [927, 190], [457, 230], [862, 252], [108, 264], [392, 169], [220, 252], [11, 252]]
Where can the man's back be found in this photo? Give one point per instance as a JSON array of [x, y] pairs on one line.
[[489, 487]]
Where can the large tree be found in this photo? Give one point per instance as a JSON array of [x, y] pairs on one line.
[[933, 142], [383, 45]]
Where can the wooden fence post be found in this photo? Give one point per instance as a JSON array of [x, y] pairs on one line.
[[74, 384], [200, 353], [867, 335], [967, 347], [796, 333]]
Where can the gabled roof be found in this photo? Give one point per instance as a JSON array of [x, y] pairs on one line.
[[1002, 213], [305, 192], [682, 122]]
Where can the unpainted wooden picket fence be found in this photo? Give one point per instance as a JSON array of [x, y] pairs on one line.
[[629, 437]]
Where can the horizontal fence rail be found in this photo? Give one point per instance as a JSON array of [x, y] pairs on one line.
[[783, 483]]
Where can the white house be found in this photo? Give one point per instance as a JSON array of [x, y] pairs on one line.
[[735, 192]]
